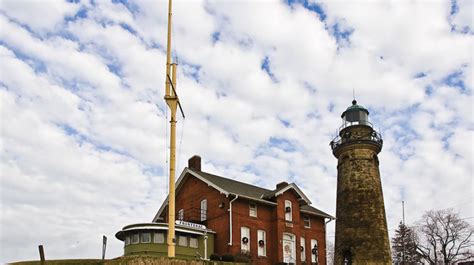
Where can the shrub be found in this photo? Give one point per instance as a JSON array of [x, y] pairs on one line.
[[215, 257], [243, 257], [228, 257]]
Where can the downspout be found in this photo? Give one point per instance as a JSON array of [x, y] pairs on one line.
[[230, 219]]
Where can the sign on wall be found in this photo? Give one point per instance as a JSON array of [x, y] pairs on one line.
[[190, 225]]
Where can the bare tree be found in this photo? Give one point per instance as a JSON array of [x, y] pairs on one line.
[[329, 253], [444, 238]]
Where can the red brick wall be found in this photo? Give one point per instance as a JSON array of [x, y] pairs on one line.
[[270, 218], [189, 198], [264, 221], [316, 231]]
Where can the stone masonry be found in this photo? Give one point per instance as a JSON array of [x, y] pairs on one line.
[[361, 226]]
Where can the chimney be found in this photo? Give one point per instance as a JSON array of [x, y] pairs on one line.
[[281, 185], [194, 163]]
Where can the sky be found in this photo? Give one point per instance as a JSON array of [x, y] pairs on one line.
[[84, 137]]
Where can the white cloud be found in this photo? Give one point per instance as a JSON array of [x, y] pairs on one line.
[[38, 15], [84, 146]]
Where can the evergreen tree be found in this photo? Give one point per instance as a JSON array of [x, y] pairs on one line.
[[404, 246]]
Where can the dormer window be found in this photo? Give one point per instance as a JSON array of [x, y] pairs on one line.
[[253, 209], [307, 221], [288, 211]]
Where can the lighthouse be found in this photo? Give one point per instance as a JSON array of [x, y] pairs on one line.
[[361, 224]]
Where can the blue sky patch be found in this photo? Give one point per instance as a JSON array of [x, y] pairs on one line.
[[216, 36], [284, 122], [191, 70], [313, 7], [342, 35], [419, 75], [128, 28], [265, 66], [37, 65], [82, 13], [282, 143], [455, 79], [429, 90]]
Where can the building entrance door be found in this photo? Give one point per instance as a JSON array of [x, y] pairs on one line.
[[289, 248]]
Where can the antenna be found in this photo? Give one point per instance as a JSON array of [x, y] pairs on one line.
[[353, 94]]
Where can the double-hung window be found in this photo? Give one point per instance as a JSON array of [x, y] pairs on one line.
[[307, 221], [253, 209], [262, 243]]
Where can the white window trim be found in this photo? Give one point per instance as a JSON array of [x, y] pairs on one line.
[[204, 210], [193, 239], [185, 242], [303, 244], [262, 251], [244, 247], [133, 236], [313, 256], [155, 238], [309, 221], [289, 216], [127, 240], [141, 238], [250, 209]]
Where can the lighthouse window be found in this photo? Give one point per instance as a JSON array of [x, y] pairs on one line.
[[127, 240], [159, 238], [193, 242], [146, 238], [135, 238], [183, 241]]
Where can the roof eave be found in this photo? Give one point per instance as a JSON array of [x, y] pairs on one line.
[[319, 214]]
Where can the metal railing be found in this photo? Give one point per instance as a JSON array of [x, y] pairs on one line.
[[347, 138], [195, 215]]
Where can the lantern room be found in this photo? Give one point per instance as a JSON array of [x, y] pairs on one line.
[[355, 115]]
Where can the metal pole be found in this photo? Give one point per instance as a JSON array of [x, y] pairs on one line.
[[403, 211], [404, 232], [104, 246], [41, 252]]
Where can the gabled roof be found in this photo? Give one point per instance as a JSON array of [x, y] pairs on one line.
[[277, 192], [232, 187]]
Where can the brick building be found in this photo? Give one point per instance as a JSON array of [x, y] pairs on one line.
[[273, 226]]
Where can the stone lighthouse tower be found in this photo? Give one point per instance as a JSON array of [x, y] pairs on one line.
[[361, 225]]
